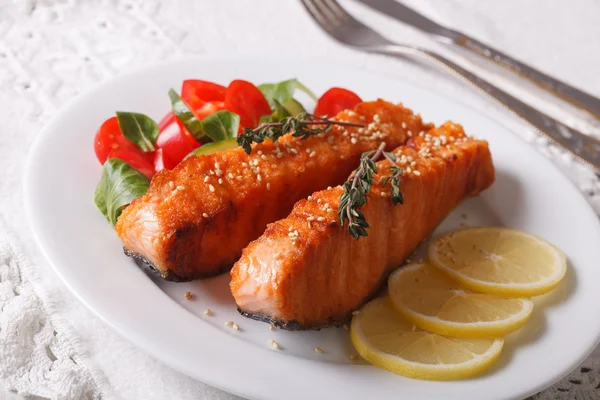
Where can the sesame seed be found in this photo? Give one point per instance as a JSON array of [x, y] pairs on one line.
[[236, 327], [174, 192], [205, 215], [263, 157], [275, 344], [404, 125], [321, 219], [218, 172], [220, 181], [309, 198], [211, 188], [268, 186], [239, 177], [171, 184], [271, 328], [309, 225], [361, 117], [353, 141], [188, 296], [211, 172], [312, 154], [258, 177], [328, 187], [217, 166], [260, 152], [294, 150], [206, 178], [230, 175], [318, 201], [244, 164], [417, 173], [229, 323], [319, 350], [311, 218], [207, 312]]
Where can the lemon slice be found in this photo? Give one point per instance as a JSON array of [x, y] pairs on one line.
[[499, 261], [432, 301], [385, 339]]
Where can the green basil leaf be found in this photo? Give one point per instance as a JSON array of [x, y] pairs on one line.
[[221, 125], [120, 185], [187, 117], [283, 91], [138, 129]]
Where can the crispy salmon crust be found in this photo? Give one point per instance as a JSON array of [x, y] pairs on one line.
[[195, 220], [307, 272]]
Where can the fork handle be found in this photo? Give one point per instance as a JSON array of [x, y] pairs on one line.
[[584, 147], [566, 92]]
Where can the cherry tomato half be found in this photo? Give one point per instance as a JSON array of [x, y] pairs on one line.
[[108, 138], [174, 142], [203, 90], [137, 159], [335, 100], [246, 100], [204, 98]]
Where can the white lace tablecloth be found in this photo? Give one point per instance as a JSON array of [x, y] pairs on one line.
[[52, 50]]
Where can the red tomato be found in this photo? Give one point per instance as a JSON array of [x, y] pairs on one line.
[[335, 100], [204, 98], [246, 100], [174, 142], [204, 110], [159, 161], [138, 160], [203, 90], [109, 137]]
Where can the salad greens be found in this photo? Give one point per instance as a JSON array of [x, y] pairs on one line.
[[139, 129], [120, 185], [221, 125], [283, 91]]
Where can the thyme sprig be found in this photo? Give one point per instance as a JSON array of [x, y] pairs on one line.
[[359, 185], [304, 125]]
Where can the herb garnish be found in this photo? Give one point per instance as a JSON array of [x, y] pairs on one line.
[[357, 188], [302, 126]]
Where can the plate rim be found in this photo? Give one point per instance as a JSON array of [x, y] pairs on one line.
[[28, 193]]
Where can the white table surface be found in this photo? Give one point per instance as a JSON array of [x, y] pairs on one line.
[[50, 51]]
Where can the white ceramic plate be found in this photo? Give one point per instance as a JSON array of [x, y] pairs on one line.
[[529, 194]]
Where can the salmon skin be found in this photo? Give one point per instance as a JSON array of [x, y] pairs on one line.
[[195, 220], [308, 272]]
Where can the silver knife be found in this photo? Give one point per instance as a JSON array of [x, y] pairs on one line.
[[446, 35]]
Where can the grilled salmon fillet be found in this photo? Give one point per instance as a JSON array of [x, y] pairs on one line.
[[307, 272], [195, 220]]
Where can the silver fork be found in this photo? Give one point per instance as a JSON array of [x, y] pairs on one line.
[[346, 29]]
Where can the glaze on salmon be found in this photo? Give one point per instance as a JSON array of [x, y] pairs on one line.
[[307, 272], [195, 220]]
